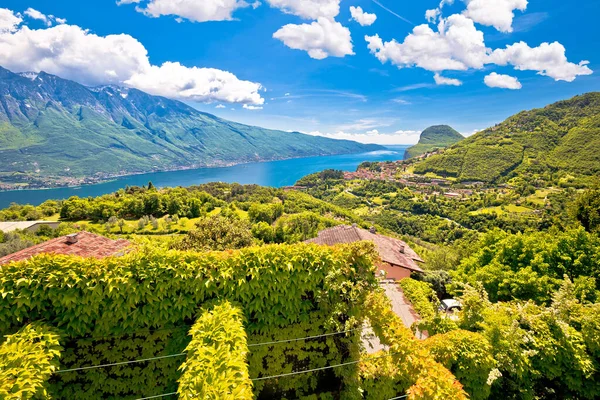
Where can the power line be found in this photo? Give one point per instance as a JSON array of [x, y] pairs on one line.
[[119, 363], [322, 368], [183, 354], [307, 337], [157, 396], [399, 397]]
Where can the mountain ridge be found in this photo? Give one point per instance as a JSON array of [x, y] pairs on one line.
[[58, 131], [561, 138], [435, 137]]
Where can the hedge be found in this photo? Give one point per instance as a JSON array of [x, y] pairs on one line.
[[216, 367], [27, 359]]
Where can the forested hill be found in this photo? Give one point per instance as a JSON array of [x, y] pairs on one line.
[[53, 127], [434, 138], [563, 138]]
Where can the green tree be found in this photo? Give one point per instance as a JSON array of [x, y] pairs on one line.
[[587, 209], [217, 233]]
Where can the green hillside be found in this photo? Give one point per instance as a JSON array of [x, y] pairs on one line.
[[563, 137], [434, 138], [53, 129]]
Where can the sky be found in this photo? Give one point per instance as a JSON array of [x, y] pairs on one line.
[[375, 71]]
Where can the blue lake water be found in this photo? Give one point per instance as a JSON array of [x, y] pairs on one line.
[[273, 173]]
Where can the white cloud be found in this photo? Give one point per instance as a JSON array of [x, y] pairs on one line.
[[399, 137], [362, 125], [174, 80], [287, 94], [193, 10], [440, 80], [308, 9], [363, 18], [74, 53], [401, 101], [495, 80], [35, 14], [457, 45], [249, 107], [496, 13], [220, 106], [59, 20], [9, 22], [548, 59], [321, 39], [120, 2]]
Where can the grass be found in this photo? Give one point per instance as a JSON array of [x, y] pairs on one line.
[[500, 210]]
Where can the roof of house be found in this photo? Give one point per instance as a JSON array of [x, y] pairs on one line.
[[87, 245], [391, 250], [10, 226]]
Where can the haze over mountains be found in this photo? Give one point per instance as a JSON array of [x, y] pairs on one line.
[[561, 138], [53, 128]]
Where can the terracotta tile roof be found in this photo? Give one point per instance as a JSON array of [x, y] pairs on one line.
[[87, 245], [392, 251]]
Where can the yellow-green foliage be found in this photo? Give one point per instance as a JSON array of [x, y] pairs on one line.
[[216, 367], [421, 295], [27, 359], [409, 367], [105, 308], [468, 356]]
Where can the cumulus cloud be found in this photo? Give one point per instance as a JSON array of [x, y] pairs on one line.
[[193, 10], [250, 107], [74, 53], [496, 13], [321, 39], [174, 80], [9, 21], [308, 9], [548, 59], [440, 80], [220, 106], [399, 137], [35, 14], [363, 18], [495, 80], [457, 45]]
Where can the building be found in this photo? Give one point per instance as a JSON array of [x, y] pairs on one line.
[[31, 226], [84, 244], [398, 260]]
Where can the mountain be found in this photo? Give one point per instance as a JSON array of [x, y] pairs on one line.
[[562, 138], [53, 129], [434, 138]]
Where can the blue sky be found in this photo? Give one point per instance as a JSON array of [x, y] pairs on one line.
[[345, 89]]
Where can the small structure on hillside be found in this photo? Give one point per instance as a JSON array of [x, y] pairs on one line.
[[84, 244], [398, 260], [31, 226]]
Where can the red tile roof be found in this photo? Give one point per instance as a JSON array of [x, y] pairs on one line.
[[392, 251], [87, 245]]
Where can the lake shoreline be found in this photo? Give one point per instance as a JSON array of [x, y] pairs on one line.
[[89, 181], [277, 174]]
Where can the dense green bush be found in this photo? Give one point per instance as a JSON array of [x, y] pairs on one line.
[[216, 366], [27, 359], [135, 306]]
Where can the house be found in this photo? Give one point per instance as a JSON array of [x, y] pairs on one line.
[[31, 226], [84, 244], [398, 260]]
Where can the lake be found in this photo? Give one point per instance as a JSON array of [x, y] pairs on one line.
[[273, 173]]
